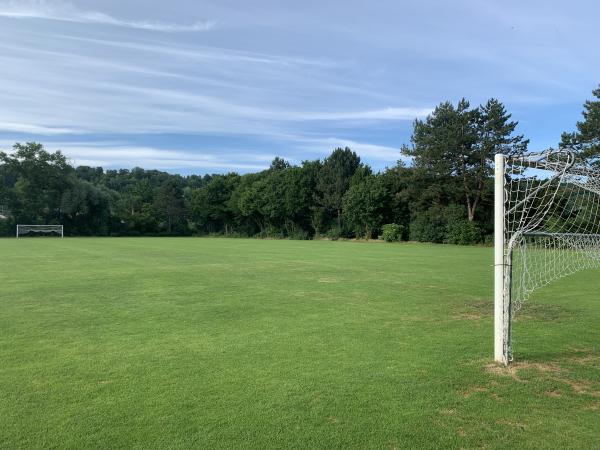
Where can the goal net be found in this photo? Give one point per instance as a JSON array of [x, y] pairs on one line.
[[52, 230], [547, 219]]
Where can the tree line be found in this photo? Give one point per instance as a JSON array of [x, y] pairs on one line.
[[444, 195]]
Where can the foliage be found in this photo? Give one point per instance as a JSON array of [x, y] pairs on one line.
[[587, 137], [428, 226], [336, 197], [392, 232], [333, 181], [456, 145], [363, 204], [334, 233], [463, 232]]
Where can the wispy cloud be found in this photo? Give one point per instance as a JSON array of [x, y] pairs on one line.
[[278, 79], [372, 114], [34, 129], [66, 12], [121, 155], [385, 154]]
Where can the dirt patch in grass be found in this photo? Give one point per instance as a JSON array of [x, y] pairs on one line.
[[512, 370], [553, 372], [511, 423], [540, 367], [483, 309], [473, 390], [476, 311], [504, 371], [554, 394], [542, 312], [586, 360], [468, 316], [592, 407], [580, 387], [495, 396], [328, 280]]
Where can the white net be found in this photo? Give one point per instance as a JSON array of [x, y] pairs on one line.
[[23, 230], [552, 222]]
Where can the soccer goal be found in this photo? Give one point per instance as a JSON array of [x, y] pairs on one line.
[[547, 226], [24, 230]]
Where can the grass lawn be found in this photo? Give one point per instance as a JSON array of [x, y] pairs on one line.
[[232, 343]]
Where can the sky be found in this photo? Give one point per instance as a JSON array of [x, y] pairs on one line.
[[192, 86]]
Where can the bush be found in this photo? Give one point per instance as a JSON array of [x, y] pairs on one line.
[[488, 240], [428, 226], [392, 232], [271, 232], [299, 235], [7, 227], [334, 233], [463, 232]]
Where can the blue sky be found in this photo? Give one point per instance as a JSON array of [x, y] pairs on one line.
[[214, 86]]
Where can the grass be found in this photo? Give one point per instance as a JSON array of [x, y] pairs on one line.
[[219, 343]]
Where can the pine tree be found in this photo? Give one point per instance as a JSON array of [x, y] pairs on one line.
[[586, 139], [457, 144]]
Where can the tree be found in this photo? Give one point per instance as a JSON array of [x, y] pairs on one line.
[[250, 203], [587, 137], [457, 145], [40, 179], [334, 179], [209, 205], [279, 164], [169, 203], [86, 209], [494, 131], [426, 199], [364, 205]]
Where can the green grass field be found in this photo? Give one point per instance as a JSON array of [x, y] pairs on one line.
[[231, 343]]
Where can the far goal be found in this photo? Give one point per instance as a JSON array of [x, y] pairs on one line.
[[30, 230], [547, 226]]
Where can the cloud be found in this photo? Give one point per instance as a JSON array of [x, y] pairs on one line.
[[166, 84], [34, 129], [206, 158], [116, 154], [402, 113], [279, 71], [367, 151], [66, 12]]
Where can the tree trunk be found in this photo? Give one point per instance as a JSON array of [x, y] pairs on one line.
[[339, 219], [470, 206], [470, 210]]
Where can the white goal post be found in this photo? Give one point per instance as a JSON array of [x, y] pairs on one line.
[[39, 229], [547, 226]]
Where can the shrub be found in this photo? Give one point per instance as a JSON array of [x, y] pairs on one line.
[[463, 232], [392, 232], [428, 226], [7, 226], [334, 233], [299, 235]]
